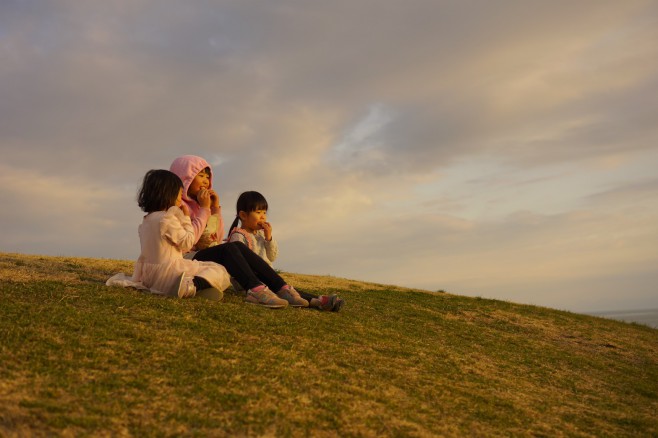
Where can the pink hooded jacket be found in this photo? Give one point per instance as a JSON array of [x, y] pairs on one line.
[[187, 167]]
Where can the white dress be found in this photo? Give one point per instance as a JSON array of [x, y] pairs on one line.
[[164, 237]]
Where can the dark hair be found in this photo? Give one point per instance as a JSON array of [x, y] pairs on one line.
[[159, 190], [248, 201]]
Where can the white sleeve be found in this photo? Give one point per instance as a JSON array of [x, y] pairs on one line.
[[177, 229], [271, 249]]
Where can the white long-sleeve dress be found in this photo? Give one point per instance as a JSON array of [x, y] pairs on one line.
[[164, 237]]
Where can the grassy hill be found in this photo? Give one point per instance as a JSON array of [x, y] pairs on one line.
[[79, 358]]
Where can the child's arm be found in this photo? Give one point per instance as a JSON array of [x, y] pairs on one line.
[[208, 201], [216, 210], [271, 249], [199, 220], [270, 245], [177, 228]]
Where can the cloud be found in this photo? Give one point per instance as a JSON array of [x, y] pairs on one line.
[[130, 78], [501, 259], [66, 216]]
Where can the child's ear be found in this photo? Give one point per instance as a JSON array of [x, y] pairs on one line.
[[243, 215]]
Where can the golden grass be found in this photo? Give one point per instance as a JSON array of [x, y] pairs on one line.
[[82, 359]]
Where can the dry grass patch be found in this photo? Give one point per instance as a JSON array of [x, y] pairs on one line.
[[28, 268], [80, 358]]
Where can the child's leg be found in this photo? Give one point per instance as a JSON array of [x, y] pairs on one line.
[[307, 296], [229, 256], [267, 275], [322, 302], [259, 267], [240, 264], [313, 300]]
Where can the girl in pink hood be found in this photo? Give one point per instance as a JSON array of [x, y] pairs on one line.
[[249, 270]]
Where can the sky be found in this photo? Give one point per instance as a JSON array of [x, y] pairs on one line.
[[499, 149]]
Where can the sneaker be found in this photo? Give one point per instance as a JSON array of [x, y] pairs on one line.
[[266, 298], [338, 304], [330, 303], [185, 286], [289, 294], [210, 293]]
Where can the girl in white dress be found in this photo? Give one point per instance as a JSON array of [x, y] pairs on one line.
[[165, 234]]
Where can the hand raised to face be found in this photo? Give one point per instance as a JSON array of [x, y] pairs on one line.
[[267, 229], [203, 198], [214, 198]]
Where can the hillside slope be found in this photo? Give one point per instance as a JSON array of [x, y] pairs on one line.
[[81, 358]]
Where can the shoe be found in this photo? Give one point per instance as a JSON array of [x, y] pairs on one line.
[[289, 294], [185, 286], [266, 298], [330, 303], [210, 293], [205, 290]]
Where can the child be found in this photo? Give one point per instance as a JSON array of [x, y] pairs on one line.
[[165, 234], [250, 271], [256, 232]]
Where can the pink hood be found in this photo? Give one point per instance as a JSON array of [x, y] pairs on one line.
[[187, 167]]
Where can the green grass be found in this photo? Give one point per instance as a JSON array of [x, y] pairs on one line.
[[82, 359]]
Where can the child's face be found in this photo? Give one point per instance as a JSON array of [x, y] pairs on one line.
[[253, 221], [200, 181]]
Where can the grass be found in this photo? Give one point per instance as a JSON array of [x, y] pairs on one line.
[[82, 359]]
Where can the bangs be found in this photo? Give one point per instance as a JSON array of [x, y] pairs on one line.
[[260, 205], [251, 201]]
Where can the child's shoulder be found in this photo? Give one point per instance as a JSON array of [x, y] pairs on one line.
[[154, 216], [241, 235], [172, 214]]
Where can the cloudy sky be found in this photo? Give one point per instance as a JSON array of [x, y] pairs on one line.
[[502, 149]]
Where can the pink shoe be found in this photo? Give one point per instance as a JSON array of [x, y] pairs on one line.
[[265, 297], [289, 294], [330, 303]]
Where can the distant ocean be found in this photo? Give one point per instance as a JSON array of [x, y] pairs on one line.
[[647, 316]]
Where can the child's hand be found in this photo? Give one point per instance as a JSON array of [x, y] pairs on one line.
[[203, 198], [267, 229], [214, 198], [186, 211]]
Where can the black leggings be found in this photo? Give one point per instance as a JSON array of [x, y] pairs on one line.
[[248, 269], [307, 296]]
